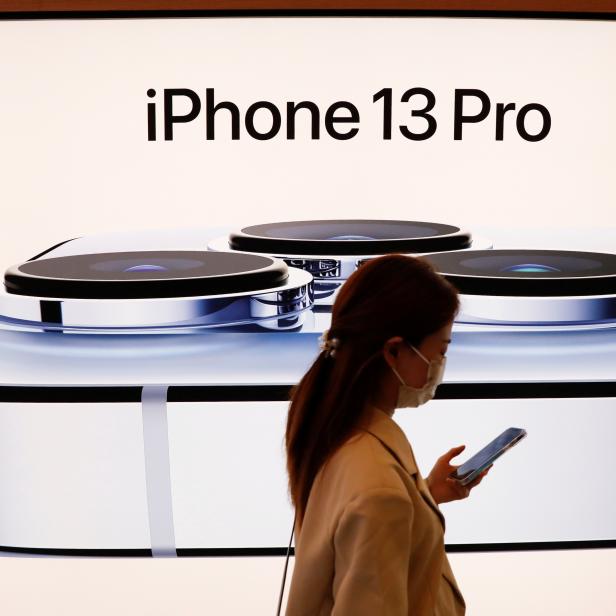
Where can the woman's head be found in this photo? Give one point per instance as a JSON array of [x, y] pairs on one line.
[[386, 305]]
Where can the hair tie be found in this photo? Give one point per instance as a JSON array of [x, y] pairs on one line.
[[328, 345]]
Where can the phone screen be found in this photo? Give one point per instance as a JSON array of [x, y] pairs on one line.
[[490, 452]]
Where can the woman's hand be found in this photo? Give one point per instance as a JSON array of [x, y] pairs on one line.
[[443, 487]]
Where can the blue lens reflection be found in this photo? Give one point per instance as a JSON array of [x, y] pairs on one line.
[[530, 268], [146, 268], [349, 238]]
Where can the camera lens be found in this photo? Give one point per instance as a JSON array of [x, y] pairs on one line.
[[539, 273], [145, 274], [349, 237]]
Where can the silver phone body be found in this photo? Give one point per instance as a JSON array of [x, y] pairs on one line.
[[473, 467]]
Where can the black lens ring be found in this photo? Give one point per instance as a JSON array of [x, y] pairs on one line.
[[597, 277], [253, 239], [219, 273]]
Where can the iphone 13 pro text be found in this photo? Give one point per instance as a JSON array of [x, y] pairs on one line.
[[415, 111]]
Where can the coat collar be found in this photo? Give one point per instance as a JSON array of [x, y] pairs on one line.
[[391, 435], [384, 428]]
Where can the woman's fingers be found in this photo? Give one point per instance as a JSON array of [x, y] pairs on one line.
[[460, 490], [464, 491], [477, 481], [453, 452], [484, 473]]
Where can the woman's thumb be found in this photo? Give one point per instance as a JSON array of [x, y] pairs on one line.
[[454, 451]]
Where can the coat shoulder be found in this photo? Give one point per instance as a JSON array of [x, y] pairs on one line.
[[363, 464]]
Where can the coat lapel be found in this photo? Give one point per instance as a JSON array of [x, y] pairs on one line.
[[383, 427], [427, 496]]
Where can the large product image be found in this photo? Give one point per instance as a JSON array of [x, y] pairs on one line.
[[145, 380]]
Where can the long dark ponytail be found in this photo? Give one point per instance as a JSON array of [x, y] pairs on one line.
[[394, 295]]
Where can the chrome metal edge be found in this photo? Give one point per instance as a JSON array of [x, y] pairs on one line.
[[286, 303], [537, 311]]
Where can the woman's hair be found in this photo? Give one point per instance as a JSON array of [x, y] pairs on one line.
[[393, 295]]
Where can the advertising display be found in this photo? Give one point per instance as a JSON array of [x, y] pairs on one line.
[[184, 197]]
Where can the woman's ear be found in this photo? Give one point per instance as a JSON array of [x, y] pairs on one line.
[[391, 348]]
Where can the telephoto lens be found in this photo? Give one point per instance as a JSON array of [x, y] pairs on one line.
[[533, 287], [331, 250]]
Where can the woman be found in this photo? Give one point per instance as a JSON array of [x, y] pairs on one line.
[[369, 532]]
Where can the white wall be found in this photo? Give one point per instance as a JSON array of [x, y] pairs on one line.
[[75, 159]]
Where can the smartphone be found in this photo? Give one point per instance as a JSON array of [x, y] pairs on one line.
[[481, 460]]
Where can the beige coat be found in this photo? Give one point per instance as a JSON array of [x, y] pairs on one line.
[[371, 542]]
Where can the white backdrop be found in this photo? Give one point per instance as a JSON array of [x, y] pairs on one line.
[[75, 160]]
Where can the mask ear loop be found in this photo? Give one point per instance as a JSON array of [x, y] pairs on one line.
[[419, 353], [398, 376]]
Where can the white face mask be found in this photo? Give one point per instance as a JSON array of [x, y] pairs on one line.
[[415, 396]]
